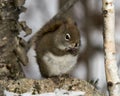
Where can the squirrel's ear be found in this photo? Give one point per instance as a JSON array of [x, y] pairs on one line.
[[52, 26]]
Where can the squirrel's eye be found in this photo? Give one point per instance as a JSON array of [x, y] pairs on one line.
[[67, 37]]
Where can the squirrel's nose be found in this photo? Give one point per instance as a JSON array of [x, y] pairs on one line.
[[75, 45]]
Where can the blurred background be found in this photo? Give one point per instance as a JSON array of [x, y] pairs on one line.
[[88, 15]]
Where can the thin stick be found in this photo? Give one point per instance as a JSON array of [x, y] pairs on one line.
[[61, 12], [65, 8], [109, 48]]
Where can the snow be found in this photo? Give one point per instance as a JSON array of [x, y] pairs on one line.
[[57, 92]]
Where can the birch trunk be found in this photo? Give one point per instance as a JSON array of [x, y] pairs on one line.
[[109, 48]]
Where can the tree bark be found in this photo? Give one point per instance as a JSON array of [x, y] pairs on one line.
[[109, 48], [12, 48], [48, 85]]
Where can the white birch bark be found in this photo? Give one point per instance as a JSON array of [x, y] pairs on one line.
[[109, 48]]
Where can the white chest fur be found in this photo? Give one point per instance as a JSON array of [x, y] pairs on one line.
[[59, 64]]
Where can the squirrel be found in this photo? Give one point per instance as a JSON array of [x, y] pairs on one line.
[[57, 47]]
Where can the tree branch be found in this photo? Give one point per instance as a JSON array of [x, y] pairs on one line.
[[109, 48], [34, 87]]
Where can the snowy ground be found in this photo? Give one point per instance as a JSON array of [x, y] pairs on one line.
[[57, 92]]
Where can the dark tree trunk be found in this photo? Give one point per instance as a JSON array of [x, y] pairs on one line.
[[10, 44]]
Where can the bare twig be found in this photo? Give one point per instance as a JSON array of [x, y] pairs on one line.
[[65, 8], [62, 12], [109, 48]]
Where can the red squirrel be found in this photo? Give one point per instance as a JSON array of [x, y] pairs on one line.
[[57, 47]]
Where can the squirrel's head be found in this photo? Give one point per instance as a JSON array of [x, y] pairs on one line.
[[67, 36]]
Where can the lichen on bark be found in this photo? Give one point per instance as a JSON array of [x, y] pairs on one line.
[[49, 85]]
